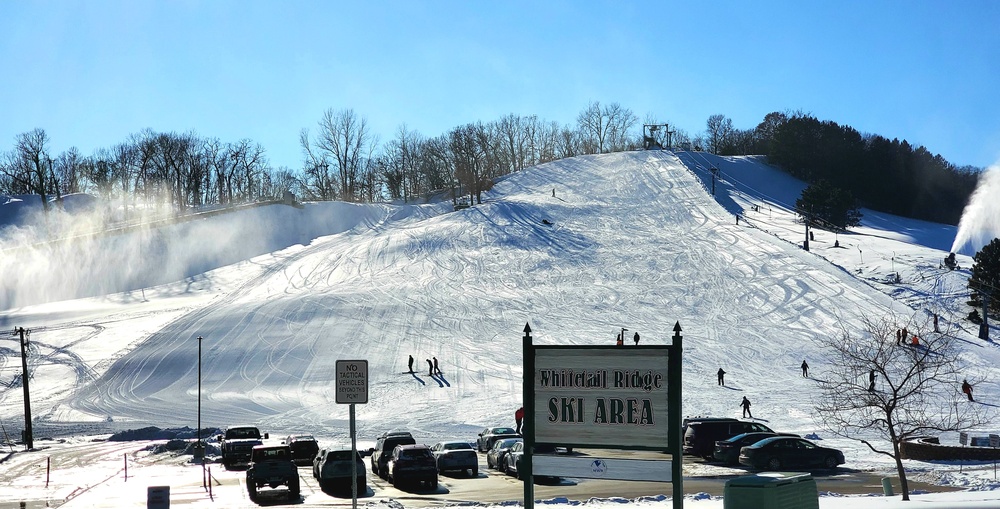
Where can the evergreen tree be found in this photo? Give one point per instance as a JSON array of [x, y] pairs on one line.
[[824, 205], [985, 278]]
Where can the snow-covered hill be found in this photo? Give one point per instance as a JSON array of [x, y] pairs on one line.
[[578, 248]]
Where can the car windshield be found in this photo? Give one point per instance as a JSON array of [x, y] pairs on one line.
[[454, 446], [412, 454], [338, 456], [507, 442], [504, 431], [270, 454], [242, 433]]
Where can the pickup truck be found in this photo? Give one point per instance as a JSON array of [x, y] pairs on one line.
[[271, 465], [237, 444]]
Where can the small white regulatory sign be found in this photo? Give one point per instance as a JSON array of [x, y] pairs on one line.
[[352, 382], [994, 440]]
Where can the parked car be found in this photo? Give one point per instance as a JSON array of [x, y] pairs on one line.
[[490, 435], [700, 436], [456, 456], [497, 453], [271, 465], [303, 447], [728, 451], [789, 453], [412, 464], [332, 469], [383, 449], [512, 460]]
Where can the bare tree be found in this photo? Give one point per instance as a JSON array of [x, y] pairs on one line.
[[317, 179], [620, 121], [30, 166], [345, 137], [895, 391], [124, 157], [719, 130], [593, 129]]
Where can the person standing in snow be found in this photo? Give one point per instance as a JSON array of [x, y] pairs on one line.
[[967, 389], [411, 364], [636, 338], [746, 407], [805, 369], [437, 370], [722, 375], [619, 341], [430, 368], [519, 418]]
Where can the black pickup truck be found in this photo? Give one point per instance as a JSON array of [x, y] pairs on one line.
[[237, 443]]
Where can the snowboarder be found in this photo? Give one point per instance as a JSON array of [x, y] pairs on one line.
[[437, 370], [805, 369], [967, 389], [722, 375], [519, 418], [746, 407], [871, 380], [411, 364], [430, 368], [636, 338]]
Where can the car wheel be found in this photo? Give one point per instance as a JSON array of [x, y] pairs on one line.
[[475, 472], [774, 464], [293, 489], [434, 484], [252, 491], [830, 462], [489, 462]]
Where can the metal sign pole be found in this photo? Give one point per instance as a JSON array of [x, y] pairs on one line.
[[528, 429], [352, 388], [674, 411], [354, 462]]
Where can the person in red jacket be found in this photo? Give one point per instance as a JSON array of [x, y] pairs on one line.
[[519, 418], [967, 389]]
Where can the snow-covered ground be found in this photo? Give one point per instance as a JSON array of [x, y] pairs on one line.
[[635, 240]]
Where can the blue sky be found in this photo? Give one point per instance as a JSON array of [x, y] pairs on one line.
[[90, 73]]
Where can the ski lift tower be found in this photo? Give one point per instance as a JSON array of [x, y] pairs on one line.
[[649, 140]]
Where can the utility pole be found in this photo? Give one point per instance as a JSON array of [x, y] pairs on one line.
[[984, 328], [29, 441]]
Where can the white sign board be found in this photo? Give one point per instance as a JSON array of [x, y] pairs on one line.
[[963, 438], [601, 397], [994, 440], [601, 468], [352, 382]]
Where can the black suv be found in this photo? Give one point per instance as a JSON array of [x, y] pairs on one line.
[[383, 449], [412, 464], [700, 435]]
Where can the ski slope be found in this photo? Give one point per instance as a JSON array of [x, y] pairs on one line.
[[635, 240]]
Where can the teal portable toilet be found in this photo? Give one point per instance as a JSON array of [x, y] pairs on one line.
[[771, 490]]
